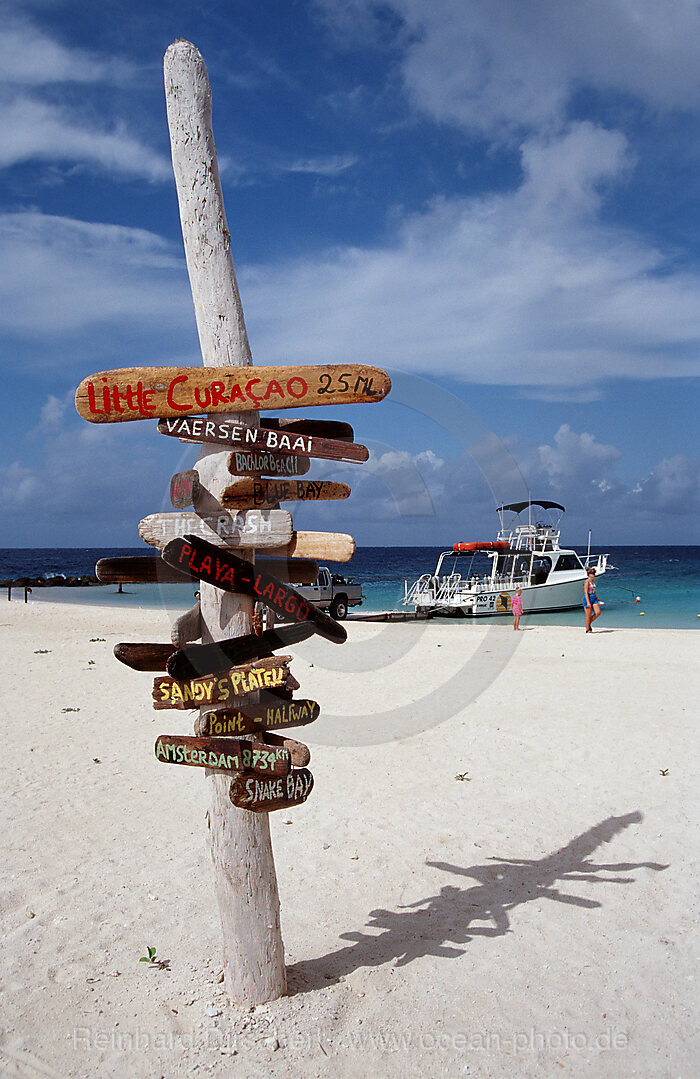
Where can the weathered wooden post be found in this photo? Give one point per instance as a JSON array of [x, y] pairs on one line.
[[241, 848], [233, 676]]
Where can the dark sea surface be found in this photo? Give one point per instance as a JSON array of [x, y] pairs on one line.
[[667, 580]]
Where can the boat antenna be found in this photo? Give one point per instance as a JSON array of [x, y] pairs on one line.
[[588, 552]]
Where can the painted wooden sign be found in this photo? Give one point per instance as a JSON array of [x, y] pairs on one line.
[[223, 754], [202, 659], [300, 754], [329, 546], [144, 657], [241, 437], [149, 569], [227, 571], [276, 715], [269, 673], [141, 393], [138, 569], [252, 528], [264, 494], [263, 462], [337, 429], [185, 489], [265, 795]]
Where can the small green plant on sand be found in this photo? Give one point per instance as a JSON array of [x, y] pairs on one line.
[[41, 651], [153, 961], [93, 639], [70, 709], [463, 777]]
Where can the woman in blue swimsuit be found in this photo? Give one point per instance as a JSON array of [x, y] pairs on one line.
[[591, 603]]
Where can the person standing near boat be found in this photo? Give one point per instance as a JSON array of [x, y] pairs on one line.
[[516, 607], [591, 603]]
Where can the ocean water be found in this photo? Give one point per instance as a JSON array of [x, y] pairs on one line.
[[667, 580]]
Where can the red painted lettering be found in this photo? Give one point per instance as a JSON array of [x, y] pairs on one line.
[[171, 400], [185, 552], [274, 387], [91, 401], [199, 393], [251, 395], [218, 393], [304, 388]]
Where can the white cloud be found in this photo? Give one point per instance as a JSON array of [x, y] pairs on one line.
[[61, 276], [31, 58], [35, 130], [574, 455], [33, 127], [528, 287], [500, 67], [328, 165]]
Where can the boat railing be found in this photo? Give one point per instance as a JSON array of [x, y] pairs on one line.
[[530, 538], [446, 591]]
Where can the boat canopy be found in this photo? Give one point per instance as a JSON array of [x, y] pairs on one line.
[[518, 507]]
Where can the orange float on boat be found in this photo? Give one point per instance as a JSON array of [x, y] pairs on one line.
[[496, 545]]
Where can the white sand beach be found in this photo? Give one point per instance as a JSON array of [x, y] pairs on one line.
[[533, 918]]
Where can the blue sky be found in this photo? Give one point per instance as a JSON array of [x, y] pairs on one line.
[[501, 198]]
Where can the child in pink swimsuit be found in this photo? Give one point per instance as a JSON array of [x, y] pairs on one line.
[[517, 607]]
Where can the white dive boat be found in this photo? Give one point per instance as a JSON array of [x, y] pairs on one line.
[[524, 554]]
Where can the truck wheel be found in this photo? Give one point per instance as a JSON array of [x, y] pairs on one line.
[[339, 607]]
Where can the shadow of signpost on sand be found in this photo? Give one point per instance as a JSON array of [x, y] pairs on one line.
[[434, 925]]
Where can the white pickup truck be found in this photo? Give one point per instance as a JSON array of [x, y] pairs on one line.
[[332, 592]]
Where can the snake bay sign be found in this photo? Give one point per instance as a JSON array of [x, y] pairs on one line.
[[141, 393], [262, 795]]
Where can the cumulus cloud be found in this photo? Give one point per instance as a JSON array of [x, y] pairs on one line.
[[573, 455], [502, 67], [61, 276], [527, 287], [36, 127], [36, 130], [79, 485], [32, 58]]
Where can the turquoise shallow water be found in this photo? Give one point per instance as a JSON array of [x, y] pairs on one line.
[[666, 578]]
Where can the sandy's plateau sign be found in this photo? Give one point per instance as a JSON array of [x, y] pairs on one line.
[[223, 754], [269, 673], [265, 494], [198, 660], [239, 436], [264, 795], [270, 717], [141, 393], [227, 571]]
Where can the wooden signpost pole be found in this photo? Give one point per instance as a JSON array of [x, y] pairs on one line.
[[246, 881]]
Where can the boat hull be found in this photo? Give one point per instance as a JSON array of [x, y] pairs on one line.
[[554, 596]]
